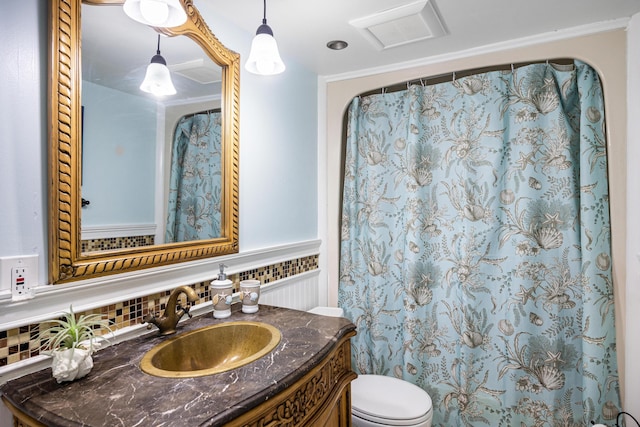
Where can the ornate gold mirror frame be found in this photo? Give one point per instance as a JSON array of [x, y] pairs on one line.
[[66, 261]]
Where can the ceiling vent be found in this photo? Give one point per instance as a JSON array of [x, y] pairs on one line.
[[401, 25], [199, 71]]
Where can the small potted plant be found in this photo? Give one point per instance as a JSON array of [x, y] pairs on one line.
[[71, 343]]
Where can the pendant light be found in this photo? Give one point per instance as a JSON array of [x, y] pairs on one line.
[[157, 80], [264, 57], [156, 13]]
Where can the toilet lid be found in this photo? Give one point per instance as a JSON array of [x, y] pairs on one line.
[[388, 400]]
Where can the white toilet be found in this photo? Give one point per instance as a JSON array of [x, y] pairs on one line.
[[381, 401], [378, 400]]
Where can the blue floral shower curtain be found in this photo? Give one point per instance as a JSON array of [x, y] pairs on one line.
[[475, 254], [194, 187]]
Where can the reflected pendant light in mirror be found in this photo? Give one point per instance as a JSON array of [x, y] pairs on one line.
[[264, 58], [157, 13], [157, 80]]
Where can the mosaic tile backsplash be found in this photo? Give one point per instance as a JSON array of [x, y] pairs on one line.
[[107, 244], [22, 343]]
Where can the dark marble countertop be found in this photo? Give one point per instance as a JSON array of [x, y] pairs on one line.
[[117, 393]]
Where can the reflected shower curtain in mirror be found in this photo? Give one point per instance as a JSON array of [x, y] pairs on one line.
[[475, 252], [195, 186]]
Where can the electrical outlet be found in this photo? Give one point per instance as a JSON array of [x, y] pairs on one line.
[[21, 286], [19, 275]]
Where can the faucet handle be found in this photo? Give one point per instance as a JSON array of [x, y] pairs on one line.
[[185, 310], [149, 319]]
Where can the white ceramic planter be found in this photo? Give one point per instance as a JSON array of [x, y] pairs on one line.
[[71, 364]]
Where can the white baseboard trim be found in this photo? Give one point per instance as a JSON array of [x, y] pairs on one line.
[[120, 230]]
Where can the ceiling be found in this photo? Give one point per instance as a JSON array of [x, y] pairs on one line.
[[303, 27], [119, 59]]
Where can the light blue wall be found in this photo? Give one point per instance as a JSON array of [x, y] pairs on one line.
[[23, 130], [118, 159], [278, 146], [278, 140]]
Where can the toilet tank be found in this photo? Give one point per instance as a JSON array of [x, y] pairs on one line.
[[328, 311]]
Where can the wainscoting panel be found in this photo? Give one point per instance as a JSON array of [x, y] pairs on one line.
[[299, 292]]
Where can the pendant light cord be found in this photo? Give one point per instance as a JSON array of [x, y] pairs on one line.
[[158, 51], [264, 16]]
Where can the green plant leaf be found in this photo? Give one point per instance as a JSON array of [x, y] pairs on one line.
[[71, 333]]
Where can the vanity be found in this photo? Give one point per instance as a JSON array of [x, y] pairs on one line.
[[304, 381]]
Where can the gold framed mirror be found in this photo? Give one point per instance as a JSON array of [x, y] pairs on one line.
[[67, 261]]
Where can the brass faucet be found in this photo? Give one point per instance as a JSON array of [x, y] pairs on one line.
[[173, 313]]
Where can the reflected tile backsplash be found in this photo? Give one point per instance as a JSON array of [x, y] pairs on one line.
[[107, 244]]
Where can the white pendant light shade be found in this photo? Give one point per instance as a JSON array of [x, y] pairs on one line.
[[264, 58], [157, 79], [156, 13]]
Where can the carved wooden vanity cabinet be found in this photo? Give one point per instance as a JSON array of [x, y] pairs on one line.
[[321, 398]]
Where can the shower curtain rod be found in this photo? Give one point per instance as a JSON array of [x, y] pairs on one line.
[[453, 75], [213, 110]]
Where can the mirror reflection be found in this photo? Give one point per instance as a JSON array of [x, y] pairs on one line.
[[193, 208], [104, 99], [151, 166]]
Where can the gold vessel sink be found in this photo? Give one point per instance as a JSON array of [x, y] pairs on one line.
[[210, 350]]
